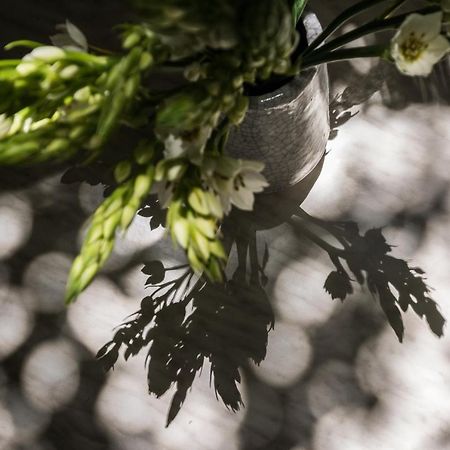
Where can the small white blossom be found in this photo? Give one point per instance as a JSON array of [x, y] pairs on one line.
[[173, 147], [235, 181], [419, 44]]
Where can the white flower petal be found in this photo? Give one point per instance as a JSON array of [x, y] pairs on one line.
[[256, 166], [243, 199], [76, 35], [173, 147], [426, 25], [438, 47], [254, 181]]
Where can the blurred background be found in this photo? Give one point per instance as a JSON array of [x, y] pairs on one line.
[[334, 376]]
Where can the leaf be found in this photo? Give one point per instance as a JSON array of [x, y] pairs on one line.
[[387, 302], [155, 270], [108, 358], [429, 309], [338, 285], [297, 9]]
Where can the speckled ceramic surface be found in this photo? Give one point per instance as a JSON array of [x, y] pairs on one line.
[[288, 128]]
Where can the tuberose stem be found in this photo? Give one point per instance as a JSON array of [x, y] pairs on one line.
[[370, 28], [340, 20], [345, 54]]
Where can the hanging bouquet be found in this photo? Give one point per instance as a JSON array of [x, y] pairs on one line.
[[65, 102]]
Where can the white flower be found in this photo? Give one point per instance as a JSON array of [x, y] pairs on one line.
[[173, 147], [235, 181], [70, 37], [418, 44]]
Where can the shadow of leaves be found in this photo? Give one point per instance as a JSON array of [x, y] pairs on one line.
[[186, 322], [397, 285]]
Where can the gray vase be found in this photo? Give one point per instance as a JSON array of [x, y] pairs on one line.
[[288, 128]]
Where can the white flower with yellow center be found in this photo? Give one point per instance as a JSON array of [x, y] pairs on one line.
[[419, 44]]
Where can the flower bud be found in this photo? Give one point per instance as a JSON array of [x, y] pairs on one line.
[[122, 171]]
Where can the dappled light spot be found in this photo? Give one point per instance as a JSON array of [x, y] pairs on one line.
[[29, 421], [203, 422], [90, 197], [46, 275], [16, 321], [333, 384], [299, 296], [97, 311], [15, 223], [350, 429], [288, 356], [7, 429], [50, 375]]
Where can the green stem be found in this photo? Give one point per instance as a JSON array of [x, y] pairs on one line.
[[345, 54], [10, 63], [340, 20], [370, 28]]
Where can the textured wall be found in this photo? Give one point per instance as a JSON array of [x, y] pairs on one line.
[[335, 376]]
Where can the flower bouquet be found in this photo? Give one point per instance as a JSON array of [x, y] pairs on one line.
[[65, 102]]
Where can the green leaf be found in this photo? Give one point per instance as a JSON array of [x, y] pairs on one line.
[[297, 9]]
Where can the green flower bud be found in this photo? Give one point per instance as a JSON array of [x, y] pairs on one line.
[[180, 231], [201, 244], [142, 185], [69, 72], [146, 61], [144, 152], [216, 248], [128, 214], [27, 68], [58, 145], [47, 53], [206, 226], [131, 40], [83, 94], [87, 276], [194, 261], [122, 171], [198, 202]]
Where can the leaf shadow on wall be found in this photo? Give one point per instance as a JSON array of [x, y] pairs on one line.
[[185, 322]]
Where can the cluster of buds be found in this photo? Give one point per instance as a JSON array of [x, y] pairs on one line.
[[115, 214], [190, 26], [192, 220], [86, 96], [34, 135], [268, 37]]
